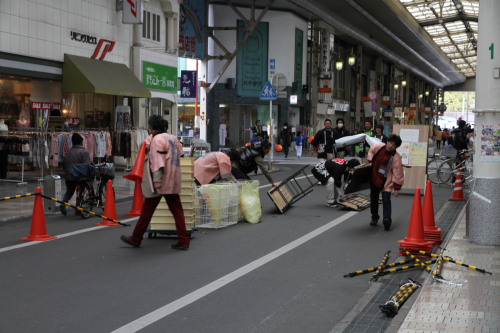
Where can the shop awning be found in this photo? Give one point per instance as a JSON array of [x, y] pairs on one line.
[[87, 75]]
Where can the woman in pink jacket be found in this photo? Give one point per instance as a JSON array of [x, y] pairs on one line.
[[387, 176], [162, 178]]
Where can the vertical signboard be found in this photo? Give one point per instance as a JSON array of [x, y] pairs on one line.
[[159, 77], [325, 52], [252, 60], [188, 84], [132, 11], [299, 48], [192, 31]]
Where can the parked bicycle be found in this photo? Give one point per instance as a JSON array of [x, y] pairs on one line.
[[448, 170], [433, 163], [88, 197]]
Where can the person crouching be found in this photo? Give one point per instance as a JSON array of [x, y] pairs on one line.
[[333, 174]]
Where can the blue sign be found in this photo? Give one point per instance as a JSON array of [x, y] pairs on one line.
[[272, 63], [268, 93], [188, 84]]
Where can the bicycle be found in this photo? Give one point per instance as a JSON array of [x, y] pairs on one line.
[[433, 164], [87, 197], [448, 170]]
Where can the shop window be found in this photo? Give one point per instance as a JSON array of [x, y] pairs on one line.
[[151, 26]]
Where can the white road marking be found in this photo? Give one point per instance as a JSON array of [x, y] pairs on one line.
[[30, 243], [178, 304]]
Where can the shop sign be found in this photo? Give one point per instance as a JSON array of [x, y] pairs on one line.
[[104, 46], [132, 12], [188, 84], [45, 106], [83, 38], [192, 29], [159, 77], [325, 52]]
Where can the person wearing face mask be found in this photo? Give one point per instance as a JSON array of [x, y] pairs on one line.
[[339, 132], [324, 141], [387, 176], [286, 138]]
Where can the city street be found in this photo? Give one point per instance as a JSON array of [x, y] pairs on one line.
[[284, 274]]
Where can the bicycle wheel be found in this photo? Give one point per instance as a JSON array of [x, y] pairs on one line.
[[445, 171], [103, 189], [432, 169], [85, 200]]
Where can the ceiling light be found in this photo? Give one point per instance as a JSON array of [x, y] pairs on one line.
[[339, 65], [351, 60], [403, 83], [396, 86]]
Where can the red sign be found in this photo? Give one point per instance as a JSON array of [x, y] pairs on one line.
[[106, 45]]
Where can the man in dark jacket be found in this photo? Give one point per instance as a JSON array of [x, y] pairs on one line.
[[333, 173], [286, 138], [77, 154], [460, 138], [324, 141], [339, 132], [251, 158]]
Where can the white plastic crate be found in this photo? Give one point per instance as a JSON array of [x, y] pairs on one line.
[[217, 205]]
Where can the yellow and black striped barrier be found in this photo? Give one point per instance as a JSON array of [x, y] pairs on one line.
[[416, 265], [391, 307], [84, 210], [381, 266], [18, 196], [373, 269], [459, 263]]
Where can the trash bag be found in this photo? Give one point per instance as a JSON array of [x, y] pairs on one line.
[[250, 202]]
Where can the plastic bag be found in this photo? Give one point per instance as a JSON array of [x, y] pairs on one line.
[[250, 202], [216, 207]]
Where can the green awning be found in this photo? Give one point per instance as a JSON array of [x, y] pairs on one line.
[[87, 75]]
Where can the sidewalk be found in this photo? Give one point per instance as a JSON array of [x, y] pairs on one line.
[[473, 306]]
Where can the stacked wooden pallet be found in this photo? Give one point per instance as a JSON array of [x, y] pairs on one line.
[[162, 219]]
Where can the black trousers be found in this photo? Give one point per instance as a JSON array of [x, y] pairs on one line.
[[386, 202]]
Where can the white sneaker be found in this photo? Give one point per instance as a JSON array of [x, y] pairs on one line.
[[332, 204]]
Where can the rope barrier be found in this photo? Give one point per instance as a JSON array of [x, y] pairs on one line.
[[18, 196], [84, 210]]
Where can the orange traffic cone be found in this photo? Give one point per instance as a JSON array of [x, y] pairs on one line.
[[110, 207], [415, 239], [38, 224], [458, 190], [138, 171], [138, 200], [431, 232]]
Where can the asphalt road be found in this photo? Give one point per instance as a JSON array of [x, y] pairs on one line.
[[284, 274]]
